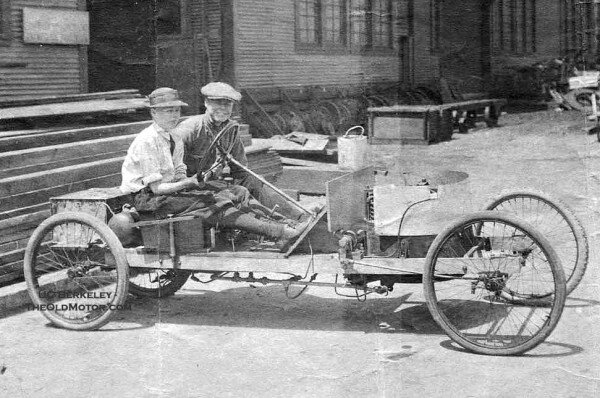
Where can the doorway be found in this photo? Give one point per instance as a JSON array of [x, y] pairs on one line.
[[463, 47], [144, 44]]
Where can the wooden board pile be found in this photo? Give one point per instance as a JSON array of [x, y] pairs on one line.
[[38, 164], [72, 106]]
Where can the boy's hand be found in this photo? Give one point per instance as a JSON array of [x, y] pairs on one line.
[[192, 182]]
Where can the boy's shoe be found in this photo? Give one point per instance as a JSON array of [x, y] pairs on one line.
[[290, 234]]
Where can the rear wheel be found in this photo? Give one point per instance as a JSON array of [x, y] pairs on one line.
[[156, 283], [76, 271], [556, 222], [472, 265]]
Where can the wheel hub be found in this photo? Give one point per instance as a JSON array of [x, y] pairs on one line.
[[493, 281], [79, 270]]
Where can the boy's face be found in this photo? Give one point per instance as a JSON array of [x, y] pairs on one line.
[[167, 117], [219, 109]]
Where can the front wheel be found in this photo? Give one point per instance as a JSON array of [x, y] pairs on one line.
[[76, 271], [557, 222], [469, 270]]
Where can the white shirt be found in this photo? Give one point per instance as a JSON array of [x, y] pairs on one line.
[[149, 160]]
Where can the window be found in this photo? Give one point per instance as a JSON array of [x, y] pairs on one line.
[[5, 34], [334, 26], [358, 23], [578, 27], [344, 24], [514, 26], [381, 23], [306, 22]]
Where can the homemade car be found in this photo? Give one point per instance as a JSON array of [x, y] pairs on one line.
[[493, 279]]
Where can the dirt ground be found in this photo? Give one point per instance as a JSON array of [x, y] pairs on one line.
[[240, 340]]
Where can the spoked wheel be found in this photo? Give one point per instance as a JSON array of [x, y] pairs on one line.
[[156, 283], [472, 265], [557, 222], [76, 271]]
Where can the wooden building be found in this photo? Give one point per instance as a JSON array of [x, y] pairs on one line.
[[73, 46], [39, 53]]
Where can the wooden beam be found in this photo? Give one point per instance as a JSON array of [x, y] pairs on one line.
[[74, 108], [258, 106], [39, 196], [53, 99], [11, 257], [23, 210], [61, 176], [66, 136], [23, 220], [21, 159]]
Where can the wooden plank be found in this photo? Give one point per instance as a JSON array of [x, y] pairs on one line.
[[18, 133], [306, 231], [53, 99], [39, 196], [13, 276], [59, 164], [461, 105], [257, 147], [309, 163], [74, 108], [55, 153], [285, 146], [66, 136], [64, 175], [11, 257], [24, 220], [23, 210], [15, 240], [18, 231]]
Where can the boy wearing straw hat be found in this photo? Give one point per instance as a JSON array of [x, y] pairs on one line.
[[155, 174]]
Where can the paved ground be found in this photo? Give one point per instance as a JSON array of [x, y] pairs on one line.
[[225, 339]]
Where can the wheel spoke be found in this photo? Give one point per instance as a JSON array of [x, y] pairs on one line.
[[66, 271], [495, 308]]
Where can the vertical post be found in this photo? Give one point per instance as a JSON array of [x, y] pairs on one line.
[[172, 251]]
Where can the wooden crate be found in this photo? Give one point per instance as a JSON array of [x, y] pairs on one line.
[[410, 124], [189, 236], [424, 124]]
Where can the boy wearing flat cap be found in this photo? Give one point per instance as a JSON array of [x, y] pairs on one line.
[[197, 133], [156, 176]]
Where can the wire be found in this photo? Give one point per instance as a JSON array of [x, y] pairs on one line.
[[397, 251], [311, 264], [361, 298]]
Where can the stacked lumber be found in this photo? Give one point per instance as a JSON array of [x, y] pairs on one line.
[[37, 165], [264, 161], [75, 105]]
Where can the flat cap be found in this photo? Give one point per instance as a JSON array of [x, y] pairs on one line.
[[165, 97], [219, 90]]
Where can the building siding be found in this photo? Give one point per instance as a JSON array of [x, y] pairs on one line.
[[425, 63], [548, 34], [37, 69], [265, 55]]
